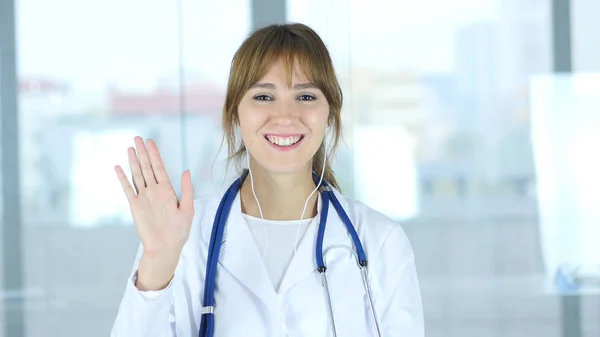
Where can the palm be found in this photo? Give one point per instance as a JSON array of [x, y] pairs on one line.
[[162, 221]]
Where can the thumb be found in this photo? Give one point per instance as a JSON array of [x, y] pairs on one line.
[[187, 192]]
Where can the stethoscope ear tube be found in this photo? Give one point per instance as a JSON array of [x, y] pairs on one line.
[[321, 233], [362, 257], [207, 319], [207, 323]]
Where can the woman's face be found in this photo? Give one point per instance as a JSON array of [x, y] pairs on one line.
[[283, 127]]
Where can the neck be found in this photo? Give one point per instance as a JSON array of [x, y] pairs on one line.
[[281, 196]]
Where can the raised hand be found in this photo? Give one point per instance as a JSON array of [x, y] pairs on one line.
[[161, 220]]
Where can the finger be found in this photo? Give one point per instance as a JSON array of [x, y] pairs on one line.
[[136, 171], [142, 154], [157, 164], [129, 192], [136, 188], [187, 192]]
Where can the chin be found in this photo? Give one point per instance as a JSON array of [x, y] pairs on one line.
[[280, 166]]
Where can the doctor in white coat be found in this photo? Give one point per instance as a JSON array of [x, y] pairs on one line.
[[282, 118]]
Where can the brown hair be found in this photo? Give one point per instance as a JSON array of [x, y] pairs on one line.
[[291, 43]]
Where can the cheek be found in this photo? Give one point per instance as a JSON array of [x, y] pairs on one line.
[[249, 115], [316, 119], [250, 121]]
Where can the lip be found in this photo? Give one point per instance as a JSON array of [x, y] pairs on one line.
[[285, 148]]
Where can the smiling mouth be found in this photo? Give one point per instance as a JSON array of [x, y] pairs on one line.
[[284, 141]]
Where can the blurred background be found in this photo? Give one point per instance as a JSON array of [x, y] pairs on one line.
[[472, 122]]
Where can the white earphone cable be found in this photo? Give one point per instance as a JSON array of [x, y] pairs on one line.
[[259, 208]]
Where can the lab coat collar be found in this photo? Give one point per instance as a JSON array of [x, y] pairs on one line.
[[241, 258]]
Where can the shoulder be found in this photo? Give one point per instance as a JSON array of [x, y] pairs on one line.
[[363, 212], [205, 209], [206, 204], [385, 236], [365, 218]]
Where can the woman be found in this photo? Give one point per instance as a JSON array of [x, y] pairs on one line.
[[284, 100]]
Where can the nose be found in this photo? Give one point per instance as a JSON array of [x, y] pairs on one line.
[[284, 113]]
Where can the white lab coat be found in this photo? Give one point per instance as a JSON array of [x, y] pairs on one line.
[[246, 303]]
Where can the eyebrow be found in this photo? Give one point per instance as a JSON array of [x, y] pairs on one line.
[[273, 86]]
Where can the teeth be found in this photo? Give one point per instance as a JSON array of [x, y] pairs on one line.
[[283, 141]]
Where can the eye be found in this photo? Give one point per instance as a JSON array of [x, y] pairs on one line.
[[263, 98], [306, 97]]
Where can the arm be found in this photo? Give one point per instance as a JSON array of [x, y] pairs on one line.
[[402, 314], [162, 222], [144, 313]]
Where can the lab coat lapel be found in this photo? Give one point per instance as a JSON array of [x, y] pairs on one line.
[[304, 262], [241, 258]]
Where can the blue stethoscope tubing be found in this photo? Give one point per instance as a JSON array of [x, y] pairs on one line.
[[207, 321]]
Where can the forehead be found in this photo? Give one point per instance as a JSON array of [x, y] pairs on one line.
[[290, 73]]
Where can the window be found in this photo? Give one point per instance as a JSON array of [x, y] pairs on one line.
[[91, 76], [455, 125]]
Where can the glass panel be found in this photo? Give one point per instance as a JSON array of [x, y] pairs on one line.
[[92, 76], [83, 97], [207, 57], [439, 104], [445, 89], [10, 246], [585, 41]]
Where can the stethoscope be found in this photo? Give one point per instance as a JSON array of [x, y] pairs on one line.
[[207, 322]]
